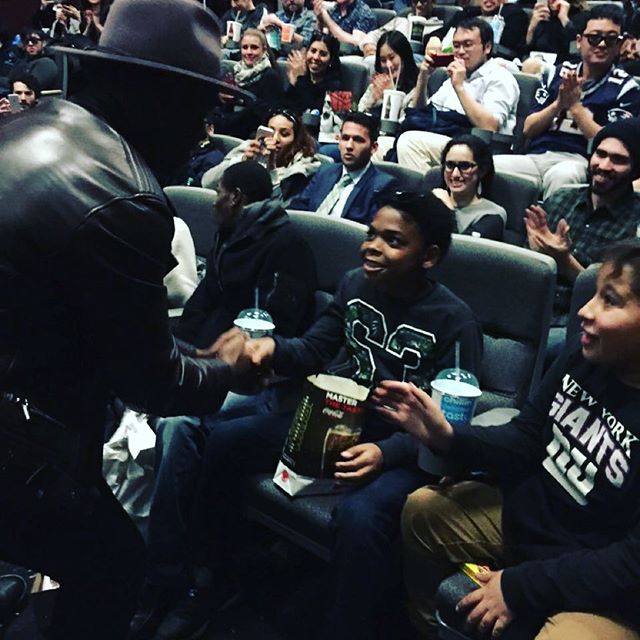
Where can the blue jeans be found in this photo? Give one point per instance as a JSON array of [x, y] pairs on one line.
[[365, 525], [180, 442]]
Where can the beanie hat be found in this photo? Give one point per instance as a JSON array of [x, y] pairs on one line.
[[628, 132], [251, 178]]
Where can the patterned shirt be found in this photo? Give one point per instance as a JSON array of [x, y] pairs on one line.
[[614, 97], [358, 16], [591, 229], [304, 22]]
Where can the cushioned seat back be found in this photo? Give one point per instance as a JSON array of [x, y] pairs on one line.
[[355, 77], [511, 291], [195, 206], [583, 290], [513, 193], [335, 244], [383, 16], [528, 85], [225, 143], [408, 179]]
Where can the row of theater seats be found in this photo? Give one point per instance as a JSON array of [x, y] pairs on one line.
[[509, 288]]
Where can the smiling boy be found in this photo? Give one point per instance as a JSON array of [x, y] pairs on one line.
[[561, 533], [388, 320]]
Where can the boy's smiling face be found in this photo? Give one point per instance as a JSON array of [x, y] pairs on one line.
[[611, 323], [394, 253]]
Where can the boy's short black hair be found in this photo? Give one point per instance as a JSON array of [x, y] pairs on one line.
[[250, 178], [366, 120], [621, 255], [432, 217], [486, 32], [605, 12]]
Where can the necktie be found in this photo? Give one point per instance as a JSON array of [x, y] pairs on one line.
[[327, 205]]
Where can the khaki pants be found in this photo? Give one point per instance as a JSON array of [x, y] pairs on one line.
[[444, 527]]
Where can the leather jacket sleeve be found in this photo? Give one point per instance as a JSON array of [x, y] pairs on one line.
[[114, 268]]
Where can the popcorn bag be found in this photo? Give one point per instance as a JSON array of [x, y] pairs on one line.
[[328, 420]]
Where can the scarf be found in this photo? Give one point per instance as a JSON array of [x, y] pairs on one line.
[[246, 75]]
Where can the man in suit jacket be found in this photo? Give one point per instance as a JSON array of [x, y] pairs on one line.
[[352, 189]]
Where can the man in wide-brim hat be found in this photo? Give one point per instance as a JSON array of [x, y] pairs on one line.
[[85, 236]]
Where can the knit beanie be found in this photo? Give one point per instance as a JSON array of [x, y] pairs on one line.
[[628, 132]]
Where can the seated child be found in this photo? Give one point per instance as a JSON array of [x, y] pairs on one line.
[[561, 532], [388, 320]]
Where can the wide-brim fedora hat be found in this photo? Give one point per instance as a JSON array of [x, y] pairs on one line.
[[177, 36]]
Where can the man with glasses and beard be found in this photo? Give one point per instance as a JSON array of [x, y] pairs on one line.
[[575, 224], [578, 100]]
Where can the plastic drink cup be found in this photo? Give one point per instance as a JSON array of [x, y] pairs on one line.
[[392, 104], [457, 400], [416, 25], [256, 323], [273, 39], [287, 33], [234, 30]]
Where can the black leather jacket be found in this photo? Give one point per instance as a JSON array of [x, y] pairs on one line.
[[85, 237]]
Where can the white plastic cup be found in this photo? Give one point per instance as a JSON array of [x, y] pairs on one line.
[[457, 401], [234, 30], [392, 104], [256, 323], [416, 28]]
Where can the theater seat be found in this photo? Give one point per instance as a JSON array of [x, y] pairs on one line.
[[408, 179], [355, 77], [511, 291]]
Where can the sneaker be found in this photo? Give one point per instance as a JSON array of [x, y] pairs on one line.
[[192, 615]]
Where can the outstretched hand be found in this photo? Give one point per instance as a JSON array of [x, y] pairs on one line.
[[359, 462]]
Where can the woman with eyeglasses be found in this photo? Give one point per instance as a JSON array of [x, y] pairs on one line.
[[313, 73], [289, 155], [467, 170], [254, 72]]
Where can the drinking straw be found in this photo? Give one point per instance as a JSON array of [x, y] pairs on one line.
[[395, 84], [390, 73], [457, 357], [237, 15], [257, 305]]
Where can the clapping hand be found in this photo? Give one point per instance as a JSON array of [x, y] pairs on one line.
[[542, 239], [296, 65], [380, 82], [570, 92], [540, 13]]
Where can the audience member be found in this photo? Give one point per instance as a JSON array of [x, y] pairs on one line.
[[585, 219], [255, 73], [553, 26], [247, 14], [513, 40], [26, 88], [479, 92], [392, 295], [578, 100], [395, 68], [352, 189], [205, 155], [467, 172], [294, 13], [289, 155], [94, 14], [35, 61], [313, 73], [346, 21], [255, 247], [558, 526], [422, 8], [66, 20]]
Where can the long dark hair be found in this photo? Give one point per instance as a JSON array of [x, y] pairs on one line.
[[333, 69], [398, 43], [302, 141], [481, 156]]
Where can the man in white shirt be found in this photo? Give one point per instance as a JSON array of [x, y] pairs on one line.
[[478, 93]]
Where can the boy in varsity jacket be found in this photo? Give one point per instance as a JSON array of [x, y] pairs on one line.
[[561, 533], [388, 320]]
